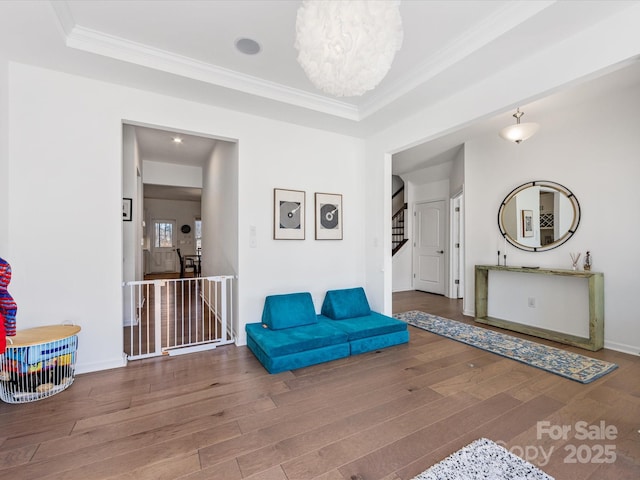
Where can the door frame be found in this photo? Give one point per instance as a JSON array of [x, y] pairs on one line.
[[456, 235]]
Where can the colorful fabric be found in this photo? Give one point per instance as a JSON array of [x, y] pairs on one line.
[[8, 307], [3, 340]]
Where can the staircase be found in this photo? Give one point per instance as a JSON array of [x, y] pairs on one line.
[[397, 221], [397, 231]]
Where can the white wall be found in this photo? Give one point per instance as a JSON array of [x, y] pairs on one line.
[[291, 157], [220, 211], [162, 173], [130, 244], [65, 164], [592, 149], [616, 39], [220, 219], [403, 268], [456, 177], [4, 160], [130, 233]]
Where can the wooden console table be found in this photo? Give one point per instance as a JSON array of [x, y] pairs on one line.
[[596, 306]]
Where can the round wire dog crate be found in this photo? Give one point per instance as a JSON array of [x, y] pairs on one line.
[[38, 362]]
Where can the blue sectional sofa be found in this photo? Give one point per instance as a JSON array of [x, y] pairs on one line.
[[292, 336]]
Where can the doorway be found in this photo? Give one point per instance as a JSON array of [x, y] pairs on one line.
[[429, 247], [187, 192], [162, 252]]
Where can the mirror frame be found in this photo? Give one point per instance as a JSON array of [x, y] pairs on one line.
[[541, 183]]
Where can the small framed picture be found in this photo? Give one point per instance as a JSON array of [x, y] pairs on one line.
[[288, 214], [328, 216], [126, 209], [527, 223]]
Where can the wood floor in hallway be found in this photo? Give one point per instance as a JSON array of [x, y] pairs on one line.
[[386, 415]]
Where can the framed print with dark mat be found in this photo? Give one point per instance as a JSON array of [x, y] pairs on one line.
[[288, 214], [126, 209], [527, 223], [328, 216]]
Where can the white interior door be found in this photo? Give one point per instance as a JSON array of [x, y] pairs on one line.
[[163, 254], [429, 247]]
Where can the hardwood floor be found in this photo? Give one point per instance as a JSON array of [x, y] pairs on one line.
[[381, 415]]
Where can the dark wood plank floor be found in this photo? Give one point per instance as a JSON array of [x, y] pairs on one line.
[[382, 415]]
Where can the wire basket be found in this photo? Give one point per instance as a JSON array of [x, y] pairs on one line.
[[36, 364]]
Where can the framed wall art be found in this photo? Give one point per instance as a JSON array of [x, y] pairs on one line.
[[328, 216], [527, 223], [288, 214], [126, 209]]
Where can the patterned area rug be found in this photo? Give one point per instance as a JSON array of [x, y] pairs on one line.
[[483, 460], [566, 364]]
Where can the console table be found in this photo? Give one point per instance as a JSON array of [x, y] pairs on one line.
[[596, 306]]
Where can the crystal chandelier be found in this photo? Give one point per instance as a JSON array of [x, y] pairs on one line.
[[346, 47]]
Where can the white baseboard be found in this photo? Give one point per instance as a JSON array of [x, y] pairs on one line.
[[618, 347], [96, 367], [621, 347], [403, 289]]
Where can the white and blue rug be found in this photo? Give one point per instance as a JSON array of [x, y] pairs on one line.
[[561, 362], [483, 460]]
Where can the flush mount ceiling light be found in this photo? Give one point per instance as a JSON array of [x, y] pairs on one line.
[[177, 140], [520, 131], [346, 47]]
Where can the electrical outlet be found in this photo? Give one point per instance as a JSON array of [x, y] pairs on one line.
[[532, 302]]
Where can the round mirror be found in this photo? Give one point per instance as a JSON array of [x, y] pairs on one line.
[[538, 216]]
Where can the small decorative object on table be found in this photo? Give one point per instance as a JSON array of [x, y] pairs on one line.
[[575, 258], [587, 262]]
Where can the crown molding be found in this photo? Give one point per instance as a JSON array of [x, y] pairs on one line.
[[66, 22], [93, 41], [503, 20], [506, 18]]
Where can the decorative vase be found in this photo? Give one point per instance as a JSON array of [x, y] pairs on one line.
[[587, 262], [575, 258]]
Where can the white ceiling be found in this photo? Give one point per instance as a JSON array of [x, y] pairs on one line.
[[186, 49], [158, 145]]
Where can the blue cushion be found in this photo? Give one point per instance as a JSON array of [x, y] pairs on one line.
[[346, 303], [298, 360], [286, 341], [289, 310], [370, 326], [377, 342]]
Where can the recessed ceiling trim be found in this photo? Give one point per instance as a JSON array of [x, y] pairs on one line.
[[506, 18], [66, 22], [100, 43]]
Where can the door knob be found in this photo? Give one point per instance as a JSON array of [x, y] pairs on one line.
[[440, 251]]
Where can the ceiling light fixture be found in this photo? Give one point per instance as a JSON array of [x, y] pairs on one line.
[[176, 140], [520, 131], [346, 47]]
